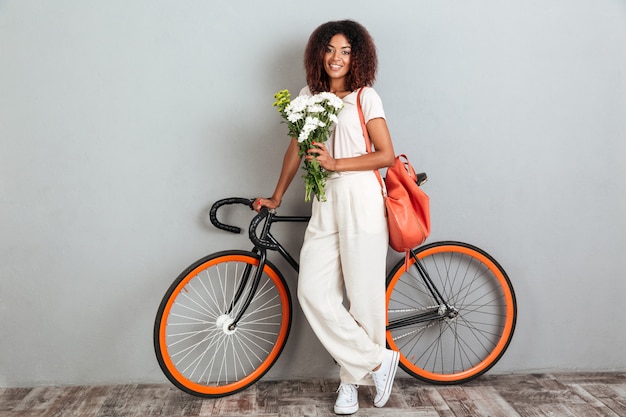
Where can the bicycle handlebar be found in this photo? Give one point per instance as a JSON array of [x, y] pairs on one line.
[[421, 178], [232, 200], [253, 224]]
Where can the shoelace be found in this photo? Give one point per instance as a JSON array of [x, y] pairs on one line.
[[345, 390], [379, 380]]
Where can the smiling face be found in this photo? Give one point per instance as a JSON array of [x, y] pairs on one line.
[[337, 58]]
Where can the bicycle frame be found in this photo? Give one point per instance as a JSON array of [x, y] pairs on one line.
[[266, 235], [266, 241]]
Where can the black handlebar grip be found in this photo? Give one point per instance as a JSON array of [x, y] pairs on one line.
[[232, 200]]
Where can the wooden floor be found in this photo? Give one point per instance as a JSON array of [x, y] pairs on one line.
[[581, 394]]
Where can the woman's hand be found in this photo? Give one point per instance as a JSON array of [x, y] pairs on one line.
[[270, 203], [323, 157]]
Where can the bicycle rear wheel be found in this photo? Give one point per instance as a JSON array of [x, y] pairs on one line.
[[457, 345], [195, 345]]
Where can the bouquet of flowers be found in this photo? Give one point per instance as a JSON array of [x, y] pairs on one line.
[[310, 119]]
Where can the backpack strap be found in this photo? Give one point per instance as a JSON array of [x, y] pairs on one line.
[[368, 146], [366, 136]]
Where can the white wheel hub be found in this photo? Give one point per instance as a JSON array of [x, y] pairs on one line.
[[223, 322]]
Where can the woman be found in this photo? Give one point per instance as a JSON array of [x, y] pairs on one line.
[[345, 244]]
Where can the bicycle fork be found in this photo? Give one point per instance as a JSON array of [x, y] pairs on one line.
[[251, 291], [246, 278]]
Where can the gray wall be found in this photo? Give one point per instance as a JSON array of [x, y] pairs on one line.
[[122, 121]]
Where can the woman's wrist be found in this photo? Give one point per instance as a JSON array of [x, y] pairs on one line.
[[276, 200]]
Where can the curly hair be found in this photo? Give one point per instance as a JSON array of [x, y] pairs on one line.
[[363, 60]]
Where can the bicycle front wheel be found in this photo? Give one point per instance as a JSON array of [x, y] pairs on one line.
[[457, 342], [196, 346]]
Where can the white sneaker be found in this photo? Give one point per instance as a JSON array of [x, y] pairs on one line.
[[347, 399], [383, 377]]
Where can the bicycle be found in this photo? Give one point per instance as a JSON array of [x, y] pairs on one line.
[[225, 320]]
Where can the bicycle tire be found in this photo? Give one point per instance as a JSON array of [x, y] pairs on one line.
[[194, 345], [452, 350]]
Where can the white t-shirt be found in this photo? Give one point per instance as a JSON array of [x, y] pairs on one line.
[[347, 139]]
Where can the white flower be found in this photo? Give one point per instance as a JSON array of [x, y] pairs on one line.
[[294, 117], [317, 98], [324, 95], [336, 103], [305, 132], [313, 122], [332, 99], [315, 108], [298, 105]]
